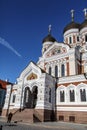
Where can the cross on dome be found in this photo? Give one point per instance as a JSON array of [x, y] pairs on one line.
[[85, 13], [49, 28], [72, 15]]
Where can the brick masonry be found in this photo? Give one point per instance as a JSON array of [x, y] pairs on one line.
[[71, 116], [30, 115]]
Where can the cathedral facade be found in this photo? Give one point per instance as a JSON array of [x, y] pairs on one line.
[[54, 88]]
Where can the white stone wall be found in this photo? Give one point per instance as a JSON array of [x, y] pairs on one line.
[[76, 88], [72, 63], [8, 97]]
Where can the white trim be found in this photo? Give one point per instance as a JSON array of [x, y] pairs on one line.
[[83, 109]]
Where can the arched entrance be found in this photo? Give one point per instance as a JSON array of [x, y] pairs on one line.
[[27, 98], [30, 98], [34, 96]]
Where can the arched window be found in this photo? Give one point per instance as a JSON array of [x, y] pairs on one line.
[[70, 40], [62, 70], [77, 38], [62, 94], [85, 38], [50, 95], [56, 71], [50, 70], [83, 95], [13, 100], [72, 95]]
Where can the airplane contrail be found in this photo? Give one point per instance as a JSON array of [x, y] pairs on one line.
[[6, 44]]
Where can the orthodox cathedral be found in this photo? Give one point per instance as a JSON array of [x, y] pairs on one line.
[[54, 88]]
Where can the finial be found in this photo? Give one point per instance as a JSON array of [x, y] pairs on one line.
[[85, 13], [49, 29], [72, 15]]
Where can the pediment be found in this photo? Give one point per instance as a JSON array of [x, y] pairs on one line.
[[55, 49]]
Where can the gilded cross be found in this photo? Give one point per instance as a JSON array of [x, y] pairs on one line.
[[72, 14]]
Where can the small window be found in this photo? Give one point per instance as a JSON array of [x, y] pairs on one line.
[[61, 118], [13, 100], [58, 51], [72, 96], [62, 94], [50, 70], [77, 38], [62, 70], [70, 40], [56, 71], [85, 38], [72, 118], [50, 95], [83, 95]]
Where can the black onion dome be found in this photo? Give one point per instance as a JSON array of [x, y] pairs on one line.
[[84, 24], [49, 38], [71, 26]]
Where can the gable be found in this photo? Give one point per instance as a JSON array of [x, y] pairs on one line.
[[56, 49], [31, 72]]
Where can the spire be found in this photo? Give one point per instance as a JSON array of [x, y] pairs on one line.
[[72, 15], [49, 29], [85, 13]]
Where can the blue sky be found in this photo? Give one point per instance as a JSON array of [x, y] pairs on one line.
[[24, 24]]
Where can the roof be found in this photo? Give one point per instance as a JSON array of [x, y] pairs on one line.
[[3, 84], [42, 70], [71, 25], [84, 24], [49, 38]]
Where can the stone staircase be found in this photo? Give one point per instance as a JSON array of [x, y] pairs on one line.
[[27, 116]]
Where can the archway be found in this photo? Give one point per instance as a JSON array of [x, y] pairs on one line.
[[30, 98], [34, 96], [27, 98]]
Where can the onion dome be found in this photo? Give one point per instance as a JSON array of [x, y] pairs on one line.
[[84, 24], [49, 38], [71, 25]]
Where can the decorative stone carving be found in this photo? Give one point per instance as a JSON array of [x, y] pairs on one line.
[[32, 76]]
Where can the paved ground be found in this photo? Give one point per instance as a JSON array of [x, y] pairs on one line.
[[43, 126]]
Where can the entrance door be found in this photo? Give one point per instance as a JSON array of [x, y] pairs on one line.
[[30, 99], [34, 96], [27, 98]]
